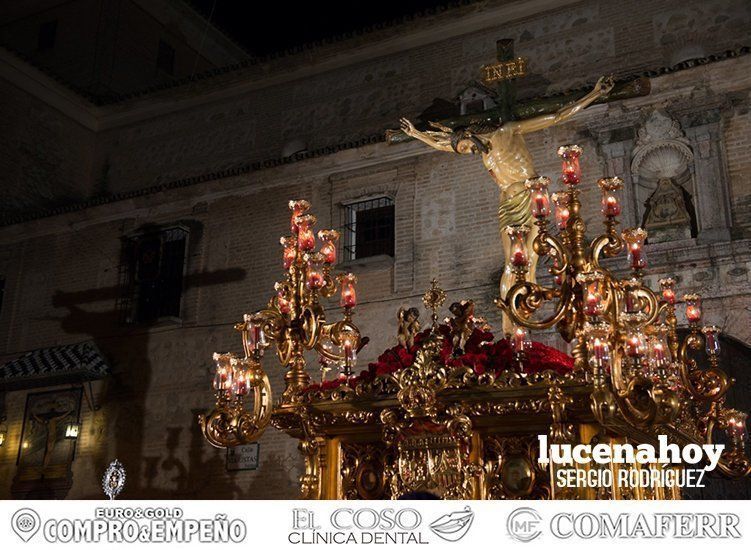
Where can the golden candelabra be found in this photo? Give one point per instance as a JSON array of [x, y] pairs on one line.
[[449, 411], [624, 335], [294, 321]]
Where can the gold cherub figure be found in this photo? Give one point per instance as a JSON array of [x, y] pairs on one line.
[[409, 326], [463, 322]]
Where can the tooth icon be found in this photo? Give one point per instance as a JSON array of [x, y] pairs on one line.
[[454, 526], [25, 523]]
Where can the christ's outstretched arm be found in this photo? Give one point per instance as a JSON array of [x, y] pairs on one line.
[[437, 140], [602, 88]]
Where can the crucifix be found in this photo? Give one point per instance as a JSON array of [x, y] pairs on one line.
[[504, 151]]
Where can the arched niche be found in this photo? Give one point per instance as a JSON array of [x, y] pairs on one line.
[[661, 169]]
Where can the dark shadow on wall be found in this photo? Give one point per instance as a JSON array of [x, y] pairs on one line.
[[124, 398]]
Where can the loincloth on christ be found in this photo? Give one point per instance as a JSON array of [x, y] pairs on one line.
[[515, 210]]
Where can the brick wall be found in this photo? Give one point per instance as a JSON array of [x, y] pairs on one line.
[[61, 271]]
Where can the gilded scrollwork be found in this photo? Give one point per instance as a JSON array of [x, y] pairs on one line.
[[512, 470]]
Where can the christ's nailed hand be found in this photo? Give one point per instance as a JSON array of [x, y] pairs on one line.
[[407, 127]]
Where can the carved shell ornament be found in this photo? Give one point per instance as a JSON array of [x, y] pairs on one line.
[[113, 480], [662, 150]]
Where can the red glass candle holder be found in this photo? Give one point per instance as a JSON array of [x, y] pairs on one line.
[[348, 293], [571, 171], [298, 208], [240, 384], [593, 293], [329, 237], [635, 344], [290, 251], [315, 279], [611, 199], [349, 352], [635, 238], [538, 192], [659, 351], [223, 373], [282, 299], [711, 340], [256, 335], [519, 257], [598, 346], [736, 424], [693, 308], [667, 286], [306, 240], [562, 213]]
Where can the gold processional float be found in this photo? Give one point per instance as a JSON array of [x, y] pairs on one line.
[[451, 411]]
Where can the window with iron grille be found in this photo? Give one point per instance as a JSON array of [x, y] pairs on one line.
[[152, 274], [368, 228]]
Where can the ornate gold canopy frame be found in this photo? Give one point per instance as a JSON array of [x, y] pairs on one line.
[[452, 414]]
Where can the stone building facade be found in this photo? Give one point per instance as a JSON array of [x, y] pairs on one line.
[[207, 156]]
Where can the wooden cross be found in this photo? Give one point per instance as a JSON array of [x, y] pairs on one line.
[[503, 73]]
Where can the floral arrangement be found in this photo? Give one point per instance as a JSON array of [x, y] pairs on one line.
[[480, 353]]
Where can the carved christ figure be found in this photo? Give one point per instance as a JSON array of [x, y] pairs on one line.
[[509, 162]]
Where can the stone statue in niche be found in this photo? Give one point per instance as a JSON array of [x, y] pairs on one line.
[[667, 216], [660, 168]]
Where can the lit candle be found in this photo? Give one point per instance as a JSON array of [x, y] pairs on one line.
[[520, 340], [298, 208], [241, 384], [329, 252], [600, 352], [223, 373], [538, 190], [635, 238], [328, 249], [540, 205], [592, 304], [285, 306], [611, 208], [348, 296], [562, 212], [256, 336], [306, 240], [637, 260], [290, 251], [635, 344], [610, 188], [571, 171], [315, 279], [693, 308], [668, 290], [519, 257], [736, 424], [658, 352]]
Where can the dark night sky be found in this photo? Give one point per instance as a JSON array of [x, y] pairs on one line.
[[267, 26]]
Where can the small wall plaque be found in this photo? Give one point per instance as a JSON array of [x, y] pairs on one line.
[[243, 457]]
